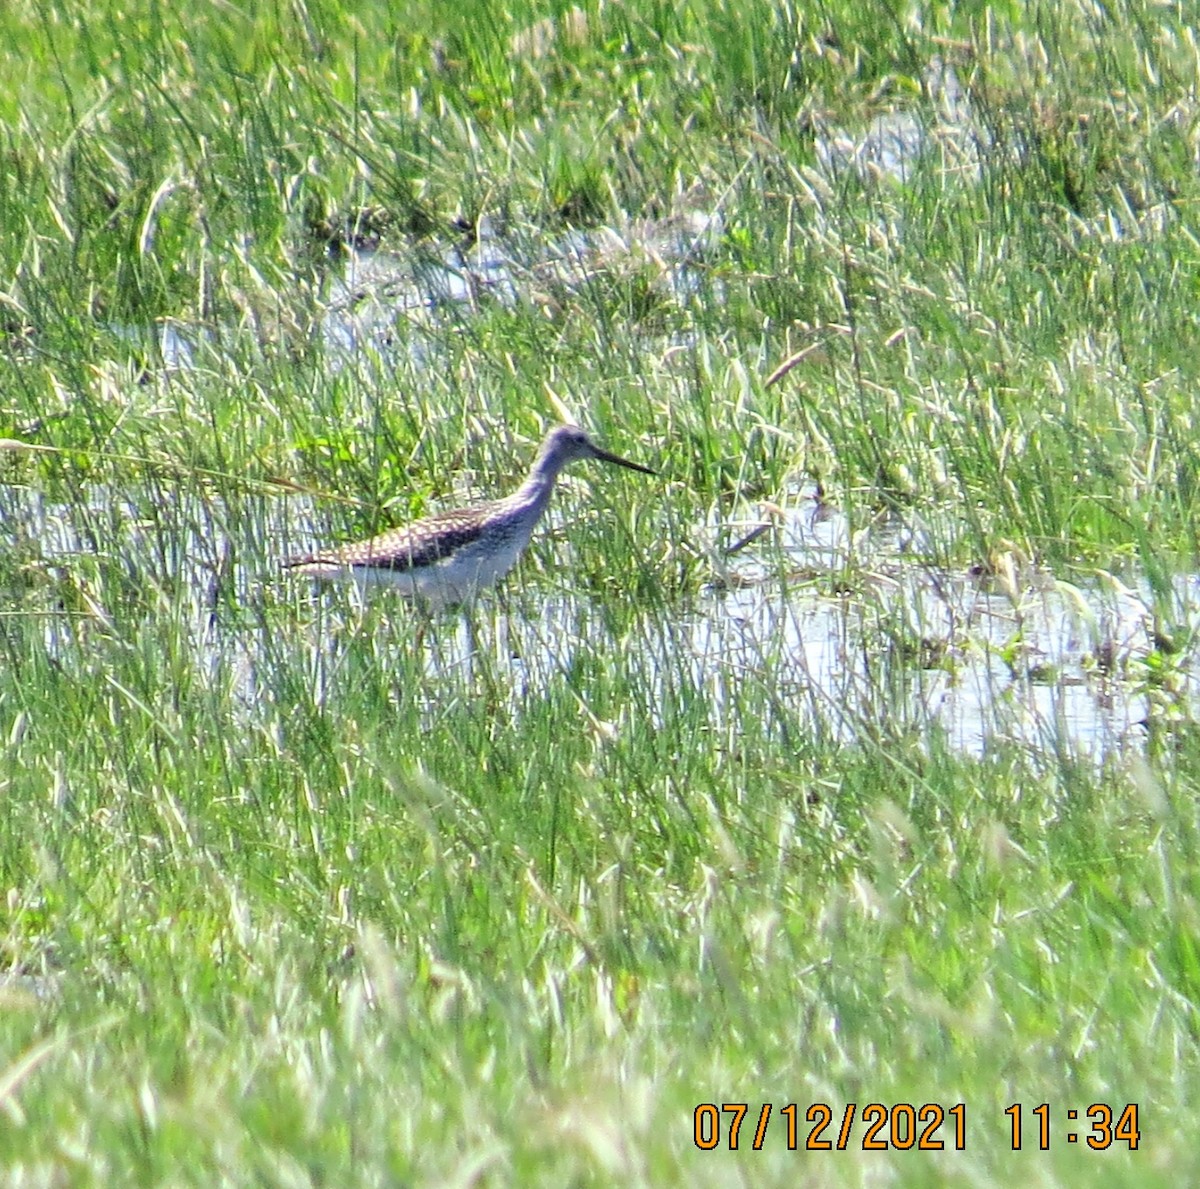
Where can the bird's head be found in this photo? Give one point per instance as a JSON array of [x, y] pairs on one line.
[[566, 443]]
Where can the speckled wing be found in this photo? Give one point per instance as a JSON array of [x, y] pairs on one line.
[[411, 547]]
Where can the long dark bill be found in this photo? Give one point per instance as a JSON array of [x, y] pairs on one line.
[[604, 456]]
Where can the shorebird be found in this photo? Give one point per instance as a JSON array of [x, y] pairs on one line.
[[449, 557]]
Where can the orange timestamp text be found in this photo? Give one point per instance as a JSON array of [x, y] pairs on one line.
[[927, 1128]]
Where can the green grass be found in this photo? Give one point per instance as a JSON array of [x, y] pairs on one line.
[[296, 900]]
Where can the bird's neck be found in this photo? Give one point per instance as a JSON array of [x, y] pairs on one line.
[[539, 485]]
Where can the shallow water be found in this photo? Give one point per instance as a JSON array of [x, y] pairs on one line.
[[392, 304], [895, 142], [847, 634], [382, 306], [1015, 655]]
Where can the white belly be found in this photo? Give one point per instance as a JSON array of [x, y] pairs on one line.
[[455, 579]]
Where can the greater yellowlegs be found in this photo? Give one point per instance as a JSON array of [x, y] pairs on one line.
[[449, 557]]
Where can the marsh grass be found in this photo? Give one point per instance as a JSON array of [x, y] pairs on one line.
[[299, 889]]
